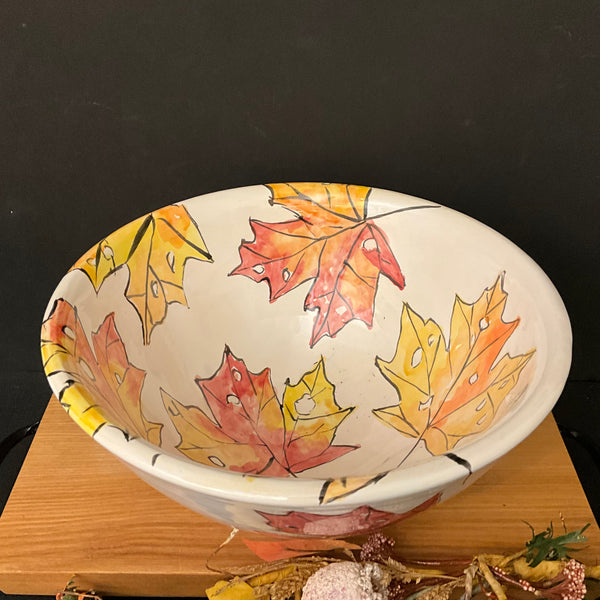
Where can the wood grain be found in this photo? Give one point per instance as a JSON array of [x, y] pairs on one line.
[[76, 510]]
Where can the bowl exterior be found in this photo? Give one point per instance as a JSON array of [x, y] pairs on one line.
[[307, 521]]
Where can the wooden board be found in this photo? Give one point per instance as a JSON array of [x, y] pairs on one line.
[[76, 510]]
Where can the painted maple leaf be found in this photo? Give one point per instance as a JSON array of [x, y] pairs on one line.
[[248, 430], [101, 384], [336, 488], [360, 520], [155, 249], [449, 392], [332, 242]]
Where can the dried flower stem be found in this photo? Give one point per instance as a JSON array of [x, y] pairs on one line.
[[502, 575], [214, 553], [490, 579]]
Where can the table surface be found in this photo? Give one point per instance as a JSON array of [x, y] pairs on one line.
[[76, 510]]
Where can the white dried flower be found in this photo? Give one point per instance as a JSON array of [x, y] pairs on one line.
[[347, 581]]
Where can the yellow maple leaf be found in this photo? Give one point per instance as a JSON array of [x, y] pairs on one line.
[[449, 392], [155, 248], [334, 489], [311, 418]]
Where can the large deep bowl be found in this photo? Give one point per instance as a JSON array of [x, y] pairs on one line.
[[306, 358]]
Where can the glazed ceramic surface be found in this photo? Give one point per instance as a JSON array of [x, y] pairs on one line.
[[306, 358]]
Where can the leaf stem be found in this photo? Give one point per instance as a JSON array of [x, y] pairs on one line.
[[411, 450], [399, 210]]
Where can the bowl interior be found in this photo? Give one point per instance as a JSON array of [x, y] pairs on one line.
[[308, 330]]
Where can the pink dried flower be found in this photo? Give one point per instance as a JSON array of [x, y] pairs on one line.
[[396, 591], [378, 548], [569, 584]]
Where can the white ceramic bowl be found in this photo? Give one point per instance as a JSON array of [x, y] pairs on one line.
[[311, 359]]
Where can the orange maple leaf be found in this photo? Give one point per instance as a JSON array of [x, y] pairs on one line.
[[104, 377], [248, 430], [332, 242], [155, 248], [447, 393], [288, 547]]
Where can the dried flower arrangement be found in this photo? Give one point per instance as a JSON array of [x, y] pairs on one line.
[[543, 569]]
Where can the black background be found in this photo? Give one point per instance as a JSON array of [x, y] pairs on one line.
[[112, 109]]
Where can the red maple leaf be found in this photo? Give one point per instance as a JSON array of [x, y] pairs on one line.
[[248, 430], [333, 243], [113, 384], [361, 520]]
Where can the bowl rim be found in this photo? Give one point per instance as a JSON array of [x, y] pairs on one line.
[[424, 478]]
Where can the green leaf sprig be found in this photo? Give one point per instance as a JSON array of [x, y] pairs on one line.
[[544, 546]]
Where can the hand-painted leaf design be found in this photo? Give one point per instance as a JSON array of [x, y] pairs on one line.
[[360, 520], [155, 248], [311, 419], [102, 384], [248, 430], [333, 243], [449, 392], [247, 433], [334, 489]]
